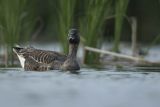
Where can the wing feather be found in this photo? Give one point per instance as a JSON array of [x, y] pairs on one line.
[[47, 57], [41, 60]]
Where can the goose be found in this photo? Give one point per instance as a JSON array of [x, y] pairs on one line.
[[32, 59]]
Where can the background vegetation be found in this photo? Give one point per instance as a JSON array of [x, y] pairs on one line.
[[23, 21]]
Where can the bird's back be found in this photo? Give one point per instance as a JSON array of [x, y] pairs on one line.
[[40, 60]]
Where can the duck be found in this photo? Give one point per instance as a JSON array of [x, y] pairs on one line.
[[32, 59]]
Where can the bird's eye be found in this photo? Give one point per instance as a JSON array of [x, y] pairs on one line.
[[71, 40]]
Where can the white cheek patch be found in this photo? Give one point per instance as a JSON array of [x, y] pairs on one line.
[[22, 60]]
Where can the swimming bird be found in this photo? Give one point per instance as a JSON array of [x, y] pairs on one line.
[[32, 59]]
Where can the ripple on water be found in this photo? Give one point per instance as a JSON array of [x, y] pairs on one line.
[[89, 88]]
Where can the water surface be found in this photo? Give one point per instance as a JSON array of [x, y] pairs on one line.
[[128, 87], [89, 88]]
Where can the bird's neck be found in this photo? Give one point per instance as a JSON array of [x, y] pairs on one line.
[[73, 50]]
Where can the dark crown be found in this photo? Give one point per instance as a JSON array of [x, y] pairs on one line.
[[73, 36]]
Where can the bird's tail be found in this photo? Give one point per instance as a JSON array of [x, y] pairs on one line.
[[17, 49]]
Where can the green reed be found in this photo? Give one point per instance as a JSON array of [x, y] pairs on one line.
[[64, 17], [29, 18], [120, 10], [12, 18], [91, 25]]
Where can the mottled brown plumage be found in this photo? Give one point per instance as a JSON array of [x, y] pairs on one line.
[[41, 60]]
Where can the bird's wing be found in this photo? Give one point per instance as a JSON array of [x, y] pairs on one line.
[[32, 65], [46, 57], [40, 60]]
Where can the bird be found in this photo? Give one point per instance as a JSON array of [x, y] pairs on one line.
[[32, 59]]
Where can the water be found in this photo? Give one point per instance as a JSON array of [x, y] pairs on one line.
[[127, 87], [89, 88]]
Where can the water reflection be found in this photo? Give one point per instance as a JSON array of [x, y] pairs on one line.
[[88, 88]]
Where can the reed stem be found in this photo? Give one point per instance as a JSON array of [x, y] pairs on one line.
[[120, 10]]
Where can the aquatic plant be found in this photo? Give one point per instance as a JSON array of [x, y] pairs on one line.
[[64, 16], [29, 19], [91, 25], [13, 18], [120, 10]]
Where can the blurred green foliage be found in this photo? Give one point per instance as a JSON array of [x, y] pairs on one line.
[[20, 20], [120, 13], [16, 20], [64, 12], [92, 25]]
